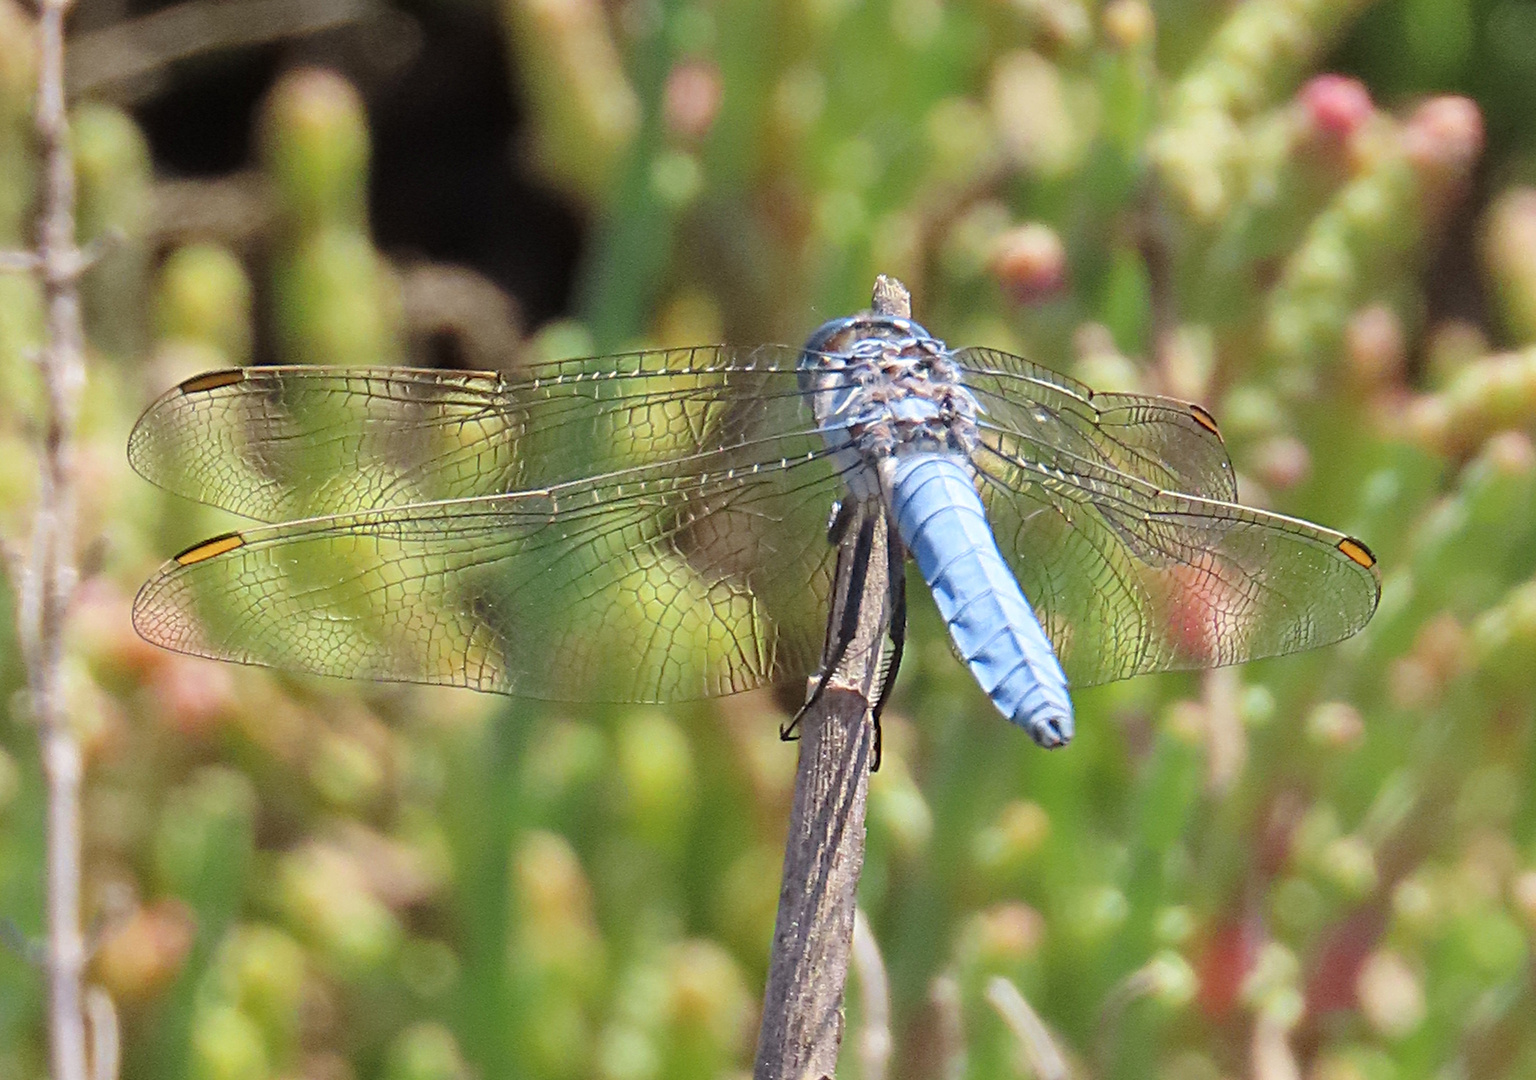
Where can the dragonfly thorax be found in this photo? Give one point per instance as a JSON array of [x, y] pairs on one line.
[[882, 387]]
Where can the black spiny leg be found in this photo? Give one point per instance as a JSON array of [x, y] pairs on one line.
[[837, 524], [896, 579], [836, 530], [849, 626]]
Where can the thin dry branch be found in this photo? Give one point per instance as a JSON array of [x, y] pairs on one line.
[[875, 1001], [802, 1026], [106, 1047], [1045, 1058], [47, 581], [122, 58], [949, 1027], [18, 262]]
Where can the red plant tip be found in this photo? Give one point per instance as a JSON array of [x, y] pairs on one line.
[[1029, 262], [1375, 346], [691, 100], [1341, 949], [1510, 453], [193, 695], [1440, 653], [1335, 106], [1335, 725], [1226, 961], [1282, 462], [1007, 931], [1444, 137], [141, 955]]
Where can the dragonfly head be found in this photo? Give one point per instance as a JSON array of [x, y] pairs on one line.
[[843, 337]]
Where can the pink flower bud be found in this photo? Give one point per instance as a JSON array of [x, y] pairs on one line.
[[1375, 347], [1442, 140], [141, 955], [193, 696], [1282, 461], [691, 100], [1029, 262], [1335, 106], [1006, 932]]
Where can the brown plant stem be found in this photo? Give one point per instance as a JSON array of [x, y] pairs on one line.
[[875, 1005], [1040, 1050], [48, 578], [802, 1027]]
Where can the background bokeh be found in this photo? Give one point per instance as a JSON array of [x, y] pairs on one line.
[[1306, 214]]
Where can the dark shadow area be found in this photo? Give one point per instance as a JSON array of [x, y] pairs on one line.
[[446, 177], [446, 185]]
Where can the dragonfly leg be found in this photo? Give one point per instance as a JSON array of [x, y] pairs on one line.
[[837, 529], [896, 576], [849, 625], [838, 522]]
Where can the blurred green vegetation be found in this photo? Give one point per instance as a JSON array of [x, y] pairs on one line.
[[1321, 866]]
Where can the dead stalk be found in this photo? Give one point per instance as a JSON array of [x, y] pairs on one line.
[[802, 1026], [874, 999], [1040, 1049], [48, 575]]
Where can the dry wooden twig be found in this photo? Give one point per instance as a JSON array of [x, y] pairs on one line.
[[47, 579], [803, 1005]]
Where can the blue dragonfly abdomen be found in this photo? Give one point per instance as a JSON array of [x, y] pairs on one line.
[[892, 406], [941, 521]]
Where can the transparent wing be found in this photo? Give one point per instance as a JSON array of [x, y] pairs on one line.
[[652, 527], [1127, 578], [1169, 444], [283, 443], [688, 578]]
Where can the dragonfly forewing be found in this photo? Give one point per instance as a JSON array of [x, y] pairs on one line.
[[658, 583], [283, 443]]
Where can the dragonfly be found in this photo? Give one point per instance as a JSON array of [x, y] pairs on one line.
[[663, 525]]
